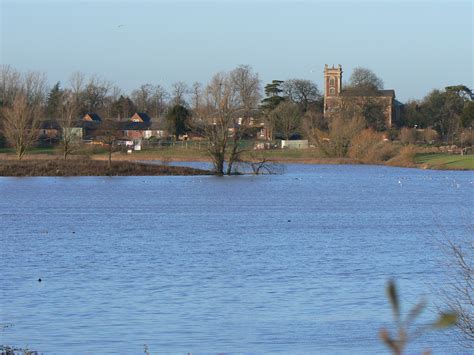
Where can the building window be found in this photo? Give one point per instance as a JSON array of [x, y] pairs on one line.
[[331, 81], [332, 91]]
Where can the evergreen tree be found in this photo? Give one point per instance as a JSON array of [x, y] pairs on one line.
[[54, 101], [273, 99], [123, 107], [177, 118]]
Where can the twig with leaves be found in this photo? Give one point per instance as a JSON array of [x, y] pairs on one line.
[[398, 344]]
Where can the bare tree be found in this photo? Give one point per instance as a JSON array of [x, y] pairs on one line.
[[66, 121], [459, 293], [260, 164], [10, 84], [230, 100], [108, 134], [366, 79], [287, 118], [142, 97], [95, 93], [197, 97], [110, 101], [178, 92], [367, 105], [151, 99], [20, 124], [77, 83], [246, 85], [314, 120], [22, 108], [159, 100], [301, 91], [222, 107], [34, 88]]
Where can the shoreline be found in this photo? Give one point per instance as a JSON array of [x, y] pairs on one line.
[[138, 164], [286, 160]]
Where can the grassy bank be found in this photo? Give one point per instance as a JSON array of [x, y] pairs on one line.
[[442, 161], [86, 167]]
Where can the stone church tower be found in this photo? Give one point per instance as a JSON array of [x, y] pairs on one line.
[[332, 86], [334, 95]]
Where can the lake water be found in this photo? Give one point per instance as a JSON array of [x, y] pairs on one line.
[[293, 263]]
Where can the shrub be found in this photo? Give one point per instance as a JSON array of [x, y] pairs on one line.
[[405, 157], [370, 147], [408, 135], [428, 135]]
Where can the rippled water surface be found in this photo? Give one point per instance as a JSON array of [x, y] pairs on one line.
[[294, 263]]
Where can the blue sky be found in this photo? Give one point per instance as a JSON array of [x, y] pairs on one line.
[[413, 46]]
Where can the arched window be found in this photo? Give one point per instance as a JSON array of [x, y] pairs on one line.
[[331, 81], [332, 91]]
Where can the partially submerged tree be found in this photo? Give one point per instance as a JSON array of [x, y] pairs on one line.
[[222, 112], [230, 99]]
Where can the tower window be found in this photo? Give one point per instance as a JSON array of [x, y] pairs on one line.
[[331, 82], [332, 91]]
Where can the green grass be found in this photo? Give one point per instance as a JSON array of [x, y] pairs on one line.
[[48, 150], [446, 161]]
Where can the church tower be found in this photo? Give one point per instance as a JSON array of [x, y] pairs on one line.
[[332, 86]]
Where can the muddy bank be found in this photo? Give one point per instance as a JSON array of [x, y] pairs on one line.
[[79, 167]]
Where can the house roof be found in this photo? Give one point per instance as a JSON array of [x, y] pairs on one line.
[[50, 124], [143, 116], [94, 116], [136, 126]]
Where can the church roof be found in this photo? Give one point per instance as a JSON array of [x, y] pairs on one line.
[[378, 93]]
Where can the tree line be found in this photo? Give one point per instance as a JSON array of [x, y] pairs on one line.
[[229, 102]]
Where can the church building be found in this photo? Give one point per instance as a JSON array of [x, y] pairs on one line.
[[334, 96]]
